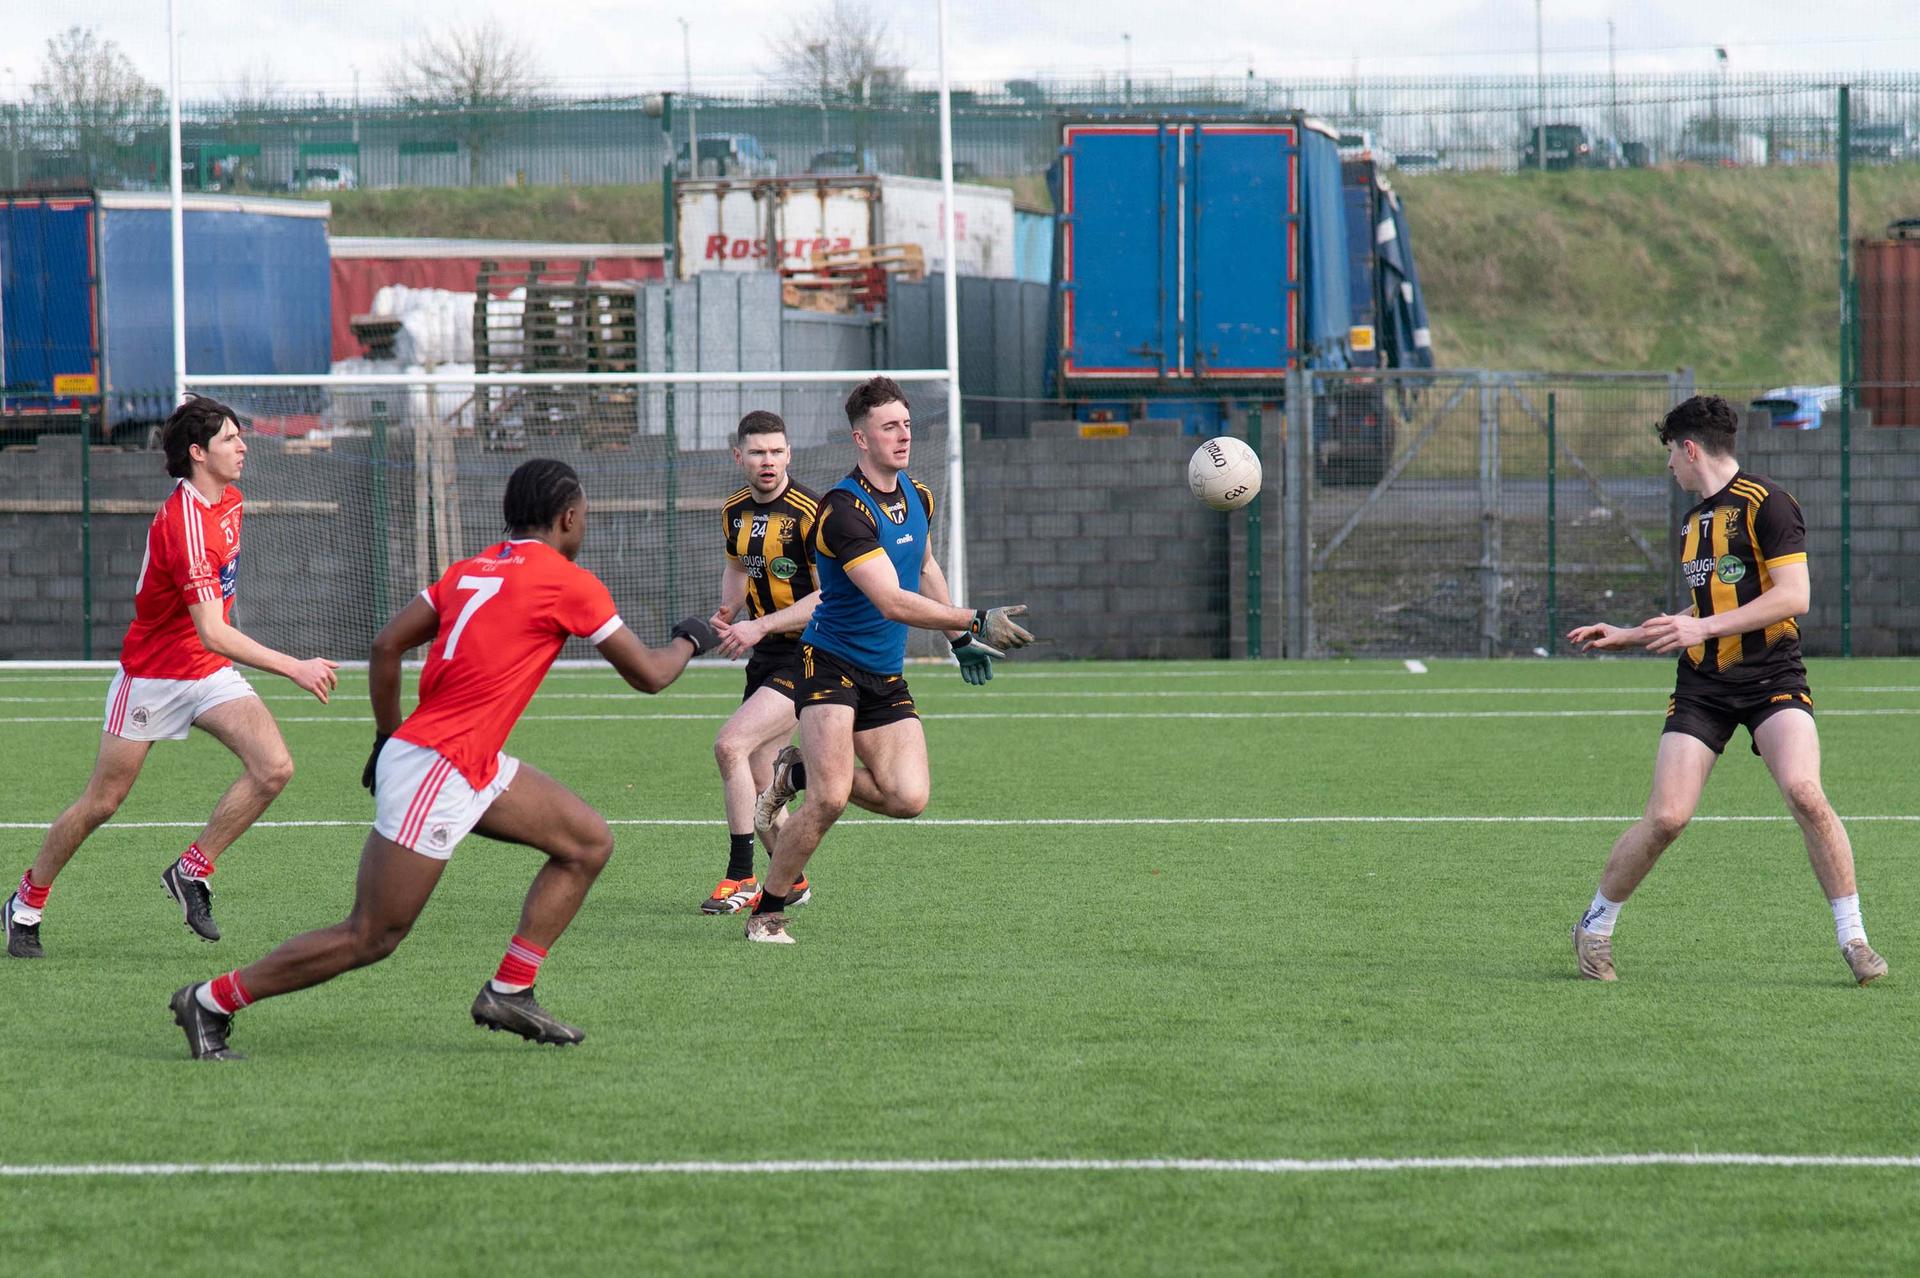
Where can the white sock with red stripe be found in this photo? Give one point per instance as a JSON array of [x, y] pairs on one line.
[[194, 863], [224, 994], [519, 967]]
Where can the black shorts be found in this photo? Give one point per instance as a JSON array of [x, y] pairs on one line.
[[1713, 716], [830, 680], [774, 665]]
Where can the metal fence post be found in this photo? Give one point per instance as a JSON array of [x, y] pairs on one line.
[[378, 546], [1254, 534], [1553, 526], [670, 236], [1679, 389], [86, 534], [1847, 372], [1489, 517], [1297, 472]]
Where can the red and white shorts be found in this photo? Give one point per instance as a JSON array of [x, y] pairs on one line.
[[165, 709], [423, 803]]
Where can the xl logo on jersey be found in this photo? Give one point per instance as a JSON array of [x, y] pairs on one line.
[[229, 577]]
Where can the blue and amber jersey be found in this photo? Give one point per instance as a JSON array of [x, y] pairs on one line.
[[856, 523], [1730, 546]]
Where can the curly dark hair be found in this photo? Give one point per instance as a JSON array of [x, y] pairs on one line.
[[871, 394], [196, 421], [1707, 420], [539, 492]]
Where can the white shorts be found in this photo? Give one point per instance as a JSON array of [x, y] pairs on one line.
[[423, 803], [166, 709]]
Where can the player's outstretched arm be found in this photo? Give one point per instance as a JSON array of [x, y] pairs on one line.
[[652, 669], [877, 580], [737, 638], [1603, 637], [314, 675], [1789, 595]]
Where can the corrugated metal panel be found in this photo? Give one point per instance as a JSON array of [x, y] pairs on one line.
[[1889, 375], [47, 303]]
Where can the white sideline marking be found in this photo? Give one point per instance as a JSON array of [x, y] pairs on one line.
[[1415, 667], [953, 1166], [925, 822], [938, 716]]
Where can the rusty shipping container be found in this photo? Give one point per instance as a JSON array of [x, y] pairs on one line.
[[1888, 272]]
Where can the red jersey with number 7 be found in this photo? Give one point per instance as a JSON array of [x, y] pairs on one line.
[[504, 616], [192, 557]]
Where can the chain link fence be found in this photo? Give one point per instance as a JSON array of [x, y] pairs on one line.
[[1001, 131]]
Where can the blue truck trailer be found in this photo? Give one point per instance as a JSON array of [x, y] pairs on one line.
[[86, 319], [1200, 260]]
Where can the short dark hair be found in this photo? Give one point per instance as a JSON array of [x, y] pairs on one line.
[[196, 421], [869, 395], [759, 422], [1707, 420], [538, 492]]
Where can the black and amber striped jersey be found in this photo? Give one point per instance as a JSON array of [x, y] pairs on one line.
[[772, 543], [1730, 546]]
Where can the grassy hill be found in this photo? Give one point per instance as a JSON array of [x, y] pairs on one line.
[[1730, 271]]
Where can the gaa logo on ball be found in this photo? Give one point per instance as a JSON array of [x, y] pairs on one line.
[[1224, 473]]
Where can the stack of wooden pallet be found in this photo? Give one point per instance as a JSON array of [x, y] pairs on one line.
[[837, 280]]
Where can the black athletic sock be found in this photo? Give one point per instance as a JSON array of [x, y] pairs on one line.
[[739, 856], [798, 776], [770, 904]]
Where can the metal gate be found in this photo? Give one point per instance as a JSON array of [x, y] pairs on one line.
[[1477, 513]]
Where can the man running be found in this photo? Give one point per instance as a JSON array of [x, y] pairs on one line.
[[496, 622], [768, 527], [176, 674], [878, 578], [1745, 559]]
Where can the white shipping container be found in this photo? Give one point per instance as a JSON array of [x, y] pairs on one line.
[[744, 224]]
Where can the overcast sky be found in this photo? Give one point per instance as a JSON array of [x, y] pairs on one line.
[[310, 45]]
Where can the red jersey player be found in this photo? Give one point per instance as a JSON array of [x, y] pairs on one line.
[[496, 623], [176, 673]]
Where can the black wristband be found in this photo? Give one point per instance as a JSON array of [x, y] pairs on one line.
[[965, 638]]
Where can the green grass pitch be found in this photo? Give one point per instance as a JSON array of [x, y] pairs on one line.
[[1044, 986]]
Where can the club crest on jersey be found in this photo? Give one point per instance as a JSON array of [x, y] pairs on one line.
[[1729, 521]]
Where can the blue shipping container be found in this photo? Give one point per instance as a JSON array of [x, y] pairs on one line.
[[1200, 251], [85, 289]]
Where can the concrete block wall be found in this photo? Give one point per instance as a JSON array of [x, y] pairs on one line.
[[1886, 530], [1101, 540]]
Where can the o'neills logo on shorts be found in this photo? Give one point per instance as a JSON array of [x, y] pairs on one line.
[[139, 716]]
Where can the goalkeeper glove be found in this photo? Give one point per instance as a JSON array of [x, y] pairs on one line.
[[698, 631], [996, 627], [366, 774], [975, 658]]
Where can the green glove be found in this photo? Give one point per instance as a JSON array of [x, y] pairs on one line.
[[976, 659]]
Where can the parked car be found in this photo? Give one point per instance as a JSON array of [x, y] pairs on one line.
[[1360, 144], [1882, 143], [728, 155], [325, 177], [1569, 146], [1797, 407], [1639, 155], [842, 159]]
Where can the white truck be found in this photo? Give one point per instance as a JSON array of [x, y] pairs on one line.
[[746, 224]]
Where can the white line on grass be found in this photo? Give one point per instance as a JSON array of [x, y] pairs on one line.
[[1415, 666], [929, 822], [945, 1166], [938, 716]]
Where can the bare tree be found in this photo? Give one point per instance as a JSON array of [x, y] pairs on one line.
[[472, 66], [840, 50], [92, 90]]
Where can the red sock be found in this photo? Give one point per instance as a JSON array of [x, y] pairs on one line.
[[521, 964], [194, 863], [32, 895], [228, 993]]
